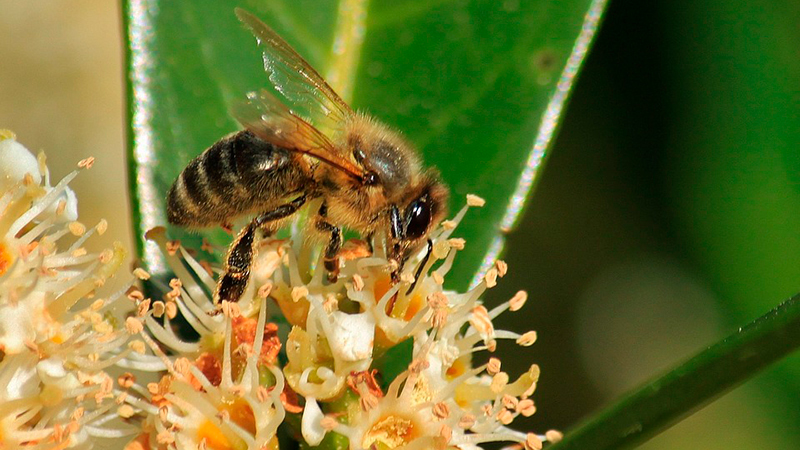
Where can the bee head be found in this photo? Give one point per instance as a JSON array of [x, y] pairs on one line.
[[412, 222], [413, 197]]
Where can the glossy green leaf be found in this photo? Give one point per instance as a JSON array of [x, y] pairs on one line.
[[664, 401], [394, 361], [477, 85]]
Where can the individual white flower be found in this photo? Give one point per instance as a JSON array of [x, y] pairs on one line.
[[16, 162], [222, 391]]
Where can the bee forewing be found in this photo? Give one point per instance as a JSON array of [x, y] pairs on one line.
[[303, 87], [272, 121]]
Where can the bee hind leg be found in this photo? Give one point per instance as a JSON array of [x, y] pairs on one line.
[[233, 282], [234, 279]]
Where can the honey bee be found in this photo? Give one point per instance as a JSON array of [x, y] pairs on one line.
[[369, 179]]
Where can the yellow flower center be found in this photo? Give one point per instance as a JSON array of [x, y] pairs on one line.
[[390, 432], [422, 391], [215, 439], [241, 414], [459, 367], [399, 307]]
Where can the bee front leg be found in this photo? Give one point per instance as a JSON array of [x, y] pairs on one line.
[[421, 266], [234, 279], [398, 234], [370, 244]]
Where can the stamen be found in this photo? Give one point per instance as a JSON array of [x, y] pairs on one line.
[[474, 200]]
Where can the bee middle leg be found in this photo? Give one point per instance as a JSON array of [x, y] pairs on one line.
[[334, 243], [234, 280]]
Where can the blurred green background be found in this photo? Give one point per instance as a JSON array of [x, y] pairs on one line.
[[666, 216]]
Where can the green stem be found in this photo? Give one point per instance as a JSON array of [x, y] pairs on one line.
[[662, 402]]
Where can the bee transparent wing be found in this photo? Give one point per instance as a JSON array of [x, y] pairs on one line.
[[267, 117], [301, 85]]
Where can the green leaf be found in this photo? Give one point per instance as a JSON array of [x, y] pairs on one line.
[[477, 85], [666, 400], [394, 361]]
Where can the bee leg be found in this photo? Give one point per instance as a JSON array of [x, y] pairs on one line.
[[234, 280], [398, 234], [370, 245], [334, 244], [400, 260], [281, 212], [397, 270], [421, 266]]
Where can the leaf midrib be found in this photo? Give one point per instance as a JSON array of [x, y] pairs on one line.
[[346, 45]]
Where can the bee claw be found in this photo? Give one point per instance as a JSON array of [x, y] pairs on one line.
[[333, 273], [332, 267]]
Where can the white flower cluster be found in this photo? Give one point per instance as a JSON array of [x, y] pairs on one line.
[[335, 336], [362, 363], [56, 335]]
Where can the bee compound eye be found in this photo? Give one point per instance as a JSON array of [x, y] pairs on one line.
[[418, 217]]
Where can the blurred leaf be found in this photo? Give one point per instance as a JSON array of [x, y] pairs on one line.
[[736, 164], [664, 401], [736, 168], [474, 83]]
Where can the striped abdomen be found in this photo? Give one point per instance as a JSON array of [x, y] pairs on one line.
[[238, 174]]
